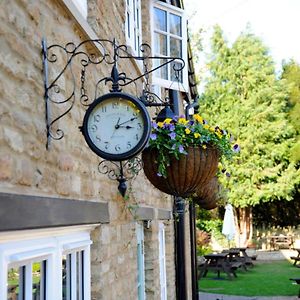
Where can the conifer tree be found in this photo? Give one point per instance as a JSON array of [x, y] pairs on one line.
[[243, 96]]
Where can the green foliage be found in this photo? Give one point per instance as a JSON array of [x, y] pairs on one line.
[[243, 95], [203, 250], [291, 74], [174, 136], [268, 279]]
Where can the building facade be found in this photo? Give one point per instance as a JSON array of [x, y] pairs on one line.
[[65, 230]]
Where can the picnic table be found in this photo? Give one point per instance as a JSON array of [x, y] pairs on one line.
[[281, 241], [218, 262], [234, 256], [296, 258], [248, 260]]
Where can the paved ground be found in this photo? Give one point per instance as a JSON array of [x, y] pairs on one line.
[[262, 256], [206, 296]]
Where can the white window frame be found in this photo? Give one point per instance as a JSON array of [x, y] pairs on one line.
[[82, 7], [140, 262], [21, 248], [133, 26], [162, 261], [167, 83]]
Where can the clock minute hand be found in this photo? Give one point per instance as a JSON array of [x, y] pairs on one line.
[[127, 121], [117, 126]]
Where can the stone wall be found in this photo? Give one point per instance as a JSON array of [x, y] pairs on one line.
[[69, 169]]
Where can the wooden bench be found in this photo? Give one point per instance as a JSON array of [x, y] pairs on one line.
[[234, 266], [295, 258]]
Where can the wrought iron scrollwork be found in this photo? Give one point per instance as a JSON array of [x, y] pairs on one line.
[[66, 83], [121, 171]]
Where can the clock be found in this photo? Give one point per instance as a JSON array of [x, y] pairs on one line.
[[116, 126]]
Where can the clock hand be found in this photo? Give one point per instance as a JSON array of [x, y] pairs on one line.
[[127, 127], [127, 121], [117, 125]]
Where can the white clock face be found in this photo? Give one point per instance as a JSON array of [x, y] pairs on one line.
[[115, 126]]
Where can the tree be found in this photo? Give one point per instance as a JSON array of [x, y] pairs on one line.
[[291, 73], [243, 96]]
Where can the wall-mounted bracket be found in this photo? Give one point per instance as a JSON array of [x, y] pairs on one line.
[[68, 68]]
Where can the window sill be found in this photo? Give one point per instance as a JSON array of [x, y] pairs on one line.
[[82, 22]]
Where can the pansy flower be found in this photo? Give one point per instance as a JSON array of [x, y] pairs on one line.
[[172, 135], [154, 125], [153, 136], [236, 148]]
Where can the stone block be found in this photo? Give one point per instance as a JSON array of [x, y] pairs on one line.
[[6, 167]]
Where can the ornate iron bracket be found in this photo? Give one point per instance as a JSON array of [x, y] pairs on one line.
[[71, 67]]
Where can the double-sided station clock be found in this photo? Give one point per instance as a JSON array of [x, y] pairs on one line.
[[116, 126]]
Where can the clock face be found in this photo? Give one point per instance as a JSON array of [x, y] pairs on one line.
[[116, 126]]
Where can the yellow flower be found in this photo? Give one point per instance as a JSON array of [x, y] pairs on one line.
[[182, 121], [197, 135], [168, 121], [187, 131], [198, 118], [160, 124], [204, 146], [206, 126], [219, 135]]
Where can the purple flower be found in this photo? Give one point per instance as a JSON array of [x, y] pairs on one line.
[[153, 136], [236, 148], [181, 149], [159, 174], [154, 125], [175, 118], [172, 135], [171, 127], [205, 122], [227, 174], [191, 122]]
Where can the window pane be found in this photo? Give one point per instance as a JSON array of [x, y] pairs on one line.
[[160, 44], [66, 277], [79, 277], [128, 25], [175, 47], [38, 280], [160, 19], [175, 74], [15, 283], [175, 24], [163, 71]]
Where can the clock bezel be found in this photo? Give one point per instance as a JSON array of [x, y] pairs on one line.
[[143, 140]]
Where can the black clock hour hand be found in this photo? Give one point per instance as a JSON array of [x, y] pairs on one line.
[[127, 127], [128, 121]]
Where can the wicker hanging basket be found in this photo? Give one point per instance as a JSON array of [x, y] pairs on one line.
[[185, 175], [207, 195]]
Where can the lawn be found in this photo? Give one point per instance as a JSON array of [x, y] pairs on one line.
[[264, 279]]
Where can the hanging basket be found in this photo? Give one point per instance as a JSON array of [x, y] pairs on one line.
[[207, 195], [185, 175]]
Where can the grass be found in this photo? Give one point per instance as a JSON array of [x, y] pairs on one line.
[[264, 279]]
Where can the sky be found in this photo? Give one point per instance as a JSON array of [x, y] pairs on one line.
[[276, 22]]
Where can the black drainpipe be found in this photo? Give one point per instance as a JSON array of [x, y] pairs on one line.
[[181, 291], [179, 209], [194, 269], [192, 219]]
